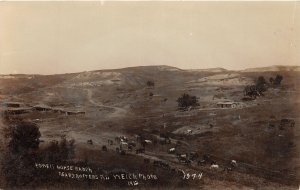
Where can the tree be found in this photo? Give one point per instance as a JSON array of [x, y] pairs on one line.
[[256, 90], [23, 137], [261, 84], [17, 166], [278, 80], [186, 101], [252, 91]]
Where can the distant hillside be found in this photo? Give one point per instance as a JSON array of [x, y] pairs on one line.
[[213, 70], [273, 69], [130, 76]]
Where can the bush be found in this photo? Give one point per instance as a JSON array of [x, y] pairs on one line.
[[19, 156], [58, 152], [261, 84], [256, 90], [252, 91], [186, 101], [277, 80], [22, 137]]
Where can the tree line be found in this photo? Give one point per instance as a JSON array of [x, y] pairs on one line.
[[261, 85]]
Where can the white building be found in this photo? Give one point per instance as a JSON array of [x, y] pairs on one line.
[[228, 104]]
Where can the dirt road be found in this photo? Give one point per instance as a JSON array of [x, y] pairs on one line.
[[118, 112]]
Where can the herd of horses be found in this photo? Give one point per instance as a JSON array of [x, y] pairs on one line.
[[124, 145]]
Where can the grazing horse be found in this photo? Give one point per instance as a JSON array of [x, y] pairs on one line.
[[172, 150], [216, 166], [233, 163]]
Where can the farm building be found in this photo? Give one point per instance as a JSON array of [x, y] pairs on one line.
[[57, 110], [11, 104], [75, 112], [17, 111], [42, 108], [228, 104], [61, 111]]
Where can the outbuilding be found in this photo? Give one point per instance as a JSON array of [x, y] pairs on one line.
[[227, 104]]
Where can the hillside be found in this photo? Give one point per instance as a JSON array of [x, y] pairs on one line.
[[102, 106], [275, 68]]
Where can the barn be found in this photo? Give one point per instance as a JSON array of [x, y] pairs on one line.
[[227, 104]]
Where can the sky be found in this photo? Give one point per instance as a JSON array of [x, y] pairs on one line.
[[65, 37]]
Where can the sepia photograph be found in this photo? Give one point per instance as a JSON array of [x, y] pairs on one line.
[[150, 95]]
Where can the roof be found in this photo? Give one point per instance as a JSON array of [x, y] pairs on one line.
[[11, 103], [19, 109], [227, 103], [41, 106]]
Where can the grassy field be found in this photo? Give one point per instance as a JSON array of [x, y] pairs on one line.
[[118, 103]]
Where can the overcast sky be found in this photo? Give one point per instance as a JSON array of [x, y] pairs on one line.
[[60, 37]]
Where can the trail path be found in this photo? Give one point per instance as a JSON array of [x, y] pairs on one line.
[[118, 112]]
